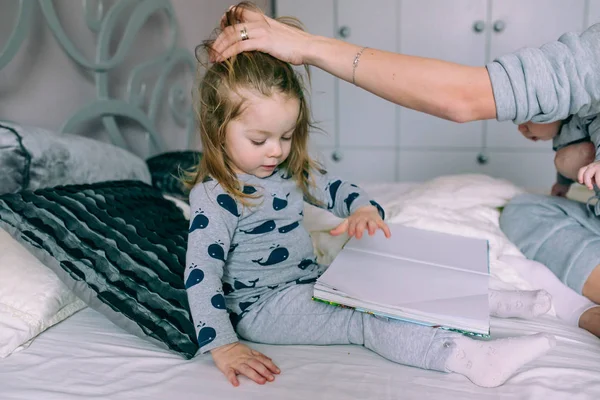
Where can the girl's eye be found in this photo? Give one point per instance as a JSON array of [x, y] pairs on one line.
[[286, 138], [257, 143]]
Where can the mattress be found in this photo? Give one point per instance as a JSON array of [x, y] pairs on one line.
[[88, 357]]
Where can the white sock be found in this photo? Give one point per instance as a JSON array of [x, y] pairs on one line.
[[525, 304], [491, 363], [569, 305]]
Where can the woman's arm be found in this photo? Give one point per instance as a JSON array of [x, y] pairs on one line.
[[451, 91], [543, 84], [447, 90]]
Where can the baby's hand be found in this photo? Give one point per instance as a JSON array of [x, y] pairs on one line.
[[366, 217], [238, 359], [560, 190], [590, 175]]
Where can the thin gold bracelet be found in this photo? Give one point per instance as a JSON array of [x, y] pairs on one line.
[[355, 64]]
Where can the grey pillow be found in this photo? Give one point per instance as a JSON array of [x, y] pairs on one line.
[[33, 158]]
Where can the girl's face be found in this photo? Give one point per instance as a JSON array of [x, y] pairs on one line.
[[535, 132], [260, 138]]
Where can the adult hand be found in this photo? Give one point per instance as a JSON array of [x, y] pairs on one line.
[[590, 175], [238, 359], [265, 34], [366, 217]]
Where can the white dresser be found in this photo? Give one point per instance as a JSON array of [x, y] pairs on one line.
[[369, 139]]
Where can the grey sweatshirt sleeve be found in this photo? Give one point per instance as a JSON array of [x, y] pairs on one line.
[[549, 83], [212, 225], [340, 197]]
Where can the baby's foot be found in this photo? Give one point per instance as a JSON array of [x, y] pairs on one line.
[[590, 320], [491, 363], [519, 303]]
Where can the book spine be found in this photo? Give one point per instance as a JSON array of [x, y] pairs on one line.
[[466, 333], [332, 303]]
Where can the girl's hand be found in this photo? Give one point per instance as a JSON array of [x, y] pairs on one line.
[[366, 217], [590, 175], [264, 34], [238, 359]]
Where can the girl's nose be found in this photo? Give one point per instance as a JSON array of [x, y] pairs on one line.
[[275, 151]]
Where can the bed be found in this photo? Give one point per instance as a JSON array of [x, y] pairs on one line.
[[87, 356]]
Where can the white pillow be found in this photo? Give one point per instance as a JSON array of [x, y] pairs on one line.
[[32, 298]]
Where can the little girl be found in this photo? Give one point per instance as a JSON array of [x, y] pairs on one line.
[[250, 263]]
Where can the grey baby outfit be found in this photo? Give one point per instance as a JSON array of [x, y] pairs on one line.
[[559, 79], [254, 268], [577, 129]]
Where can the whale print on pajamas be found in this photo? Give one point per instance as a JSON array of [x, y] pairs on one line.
[[240, 255], [276, 256]]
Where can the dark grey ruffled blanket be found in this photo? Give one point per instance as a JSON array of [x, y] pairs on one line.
[[120, 246]]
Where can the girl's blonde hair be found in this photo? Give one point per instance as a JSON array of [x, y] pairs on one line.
[[217, 102]]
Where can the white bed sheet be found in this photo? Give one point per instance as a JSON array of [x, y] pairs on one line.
[[87, 357]]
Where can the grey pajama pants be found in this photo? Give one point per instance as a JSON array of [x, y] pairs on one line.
[[562, 234], [292, 317]]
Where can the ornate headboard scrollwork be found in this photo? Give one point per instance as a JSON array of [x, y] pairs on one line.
[[104, 23]]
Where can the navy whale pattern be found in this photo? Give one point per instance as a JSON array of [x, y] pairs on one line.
[[239, 255], [280, 203], [265, 227], [279, 254]]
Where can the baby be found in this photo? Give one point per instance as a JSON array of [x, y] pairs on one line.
[[570, 131]]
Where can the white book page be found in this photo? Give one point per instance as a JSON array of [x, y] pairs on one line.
[[438, 248], [363, 273]]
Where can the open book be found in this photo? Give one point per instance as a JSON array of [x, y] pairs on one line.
[[420, 276]]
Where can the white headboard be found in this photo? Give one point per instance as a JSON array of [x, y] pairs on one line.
[[127, 51]]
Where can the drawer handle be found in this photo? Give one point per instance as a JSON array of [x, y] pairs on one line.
[[478, 26], [336, 156], [499, 26], [344, 31], [482, 159]]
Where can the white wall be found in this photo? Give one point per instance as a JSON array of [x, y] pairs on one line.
[[43, 87]]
